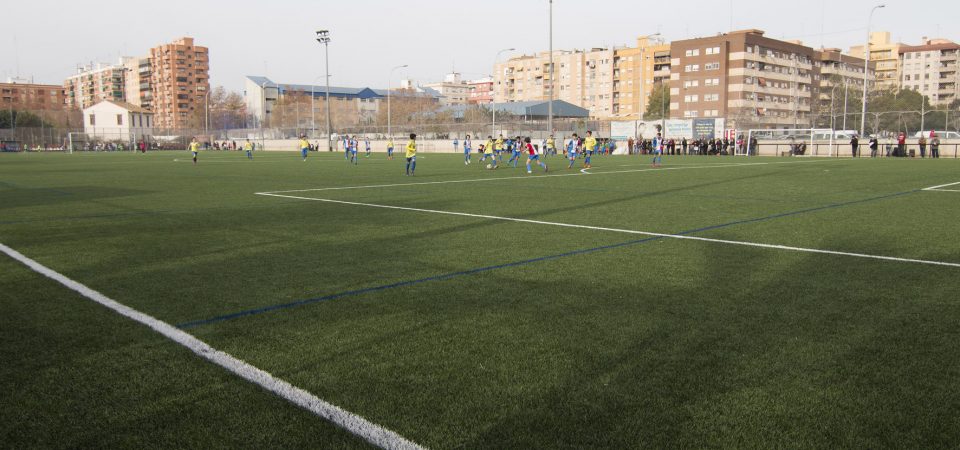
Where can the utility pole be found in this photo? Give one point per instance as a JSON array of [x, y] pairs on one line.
[[323, 37]]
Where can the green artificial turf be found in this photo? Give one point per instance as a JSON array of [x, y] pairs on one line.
[[475, 332]]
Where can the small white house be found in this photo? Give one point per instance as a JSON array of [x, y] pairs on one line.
[[117, 121]]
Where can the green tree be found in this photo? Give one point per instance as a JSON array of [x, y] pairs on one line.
[[21, 119], [658, 103]]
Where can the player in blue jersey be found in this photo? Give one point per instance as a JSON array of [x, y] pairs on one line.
[[366, 142], [467, 148], [353, 150], [572, 149], [658, 151]]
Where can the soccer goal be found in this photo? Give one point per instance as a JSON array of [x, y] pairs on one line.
[[817, 142]]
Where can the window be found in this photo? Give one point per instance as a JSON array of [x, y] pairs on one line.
[[712, 66], [716, 81], [119, 119], [691, 98], [693, 52], [711, 97], [691, 83], [93, 120], [713, 50], [691, 114], [692, 68]]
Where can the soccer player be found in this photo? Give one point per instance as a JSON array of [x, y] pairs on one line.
[[488, 153], [390, 148], [533, 156], [551, 146], [366, 142], [195, 149], [346, 148], [572, 150], [412, 155], [514, 145], [353, 150], [658, 151], [498, 149], [456, 145], [467, 148], [304, 146], [589, 146], [249, 148]]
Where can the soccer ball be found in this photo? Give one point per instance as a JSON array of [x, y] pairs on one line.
[[489, 166]]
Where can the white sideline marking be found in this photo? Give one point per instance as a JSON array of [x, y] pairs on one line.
[[620, 230], [584, 171], [353, 423], [939, 188]]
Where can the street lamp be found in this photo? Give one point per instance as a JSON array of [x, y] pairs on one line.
[[866, 71], [323, 37], [493, 101], [389, 86]]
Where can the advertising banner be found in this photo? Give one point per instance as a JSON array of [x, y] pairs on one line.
[[704, 128], [621, 131], [679, 129]]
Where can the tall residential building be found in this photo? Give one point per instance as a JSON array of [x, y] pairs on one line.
[[453, 90], [179, 81], [22, 94], [95, 83], [137, 87], [835, 76], [583, 78], [637, 70], [931, 70], [886, 56]]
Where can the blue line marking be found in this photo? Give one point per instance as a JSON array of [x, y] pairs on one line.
[[444, 277]]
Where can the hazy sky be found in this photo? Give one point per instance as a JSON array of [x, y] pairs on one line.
[[47, 39]]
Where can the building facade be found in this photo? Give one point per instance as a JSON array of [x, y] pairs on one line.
[[137, 88], [637, 70], [885, 55], [25, 95], [95, 83], [751, 80], [179, 82], [117, 121], [481, 91], [835, 76], [453, 90], [583, 78], [931, 70]]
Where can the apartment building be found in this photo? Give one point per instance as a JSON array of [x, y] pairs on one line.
[[453, 90], [481, 91], [931, 70], [583, 78], [25, 95], [179, 83], [95, 83], [637, 70], [886, 55], [751, 80], [837, 74], [137, 88]]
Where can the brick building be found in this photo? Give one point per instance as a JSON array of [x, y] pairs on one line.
[[95, 83], [931, 70], [179, 83], [24, 95]]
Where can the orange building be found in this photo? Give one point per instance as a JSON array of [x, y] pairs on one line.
[[180, 82]]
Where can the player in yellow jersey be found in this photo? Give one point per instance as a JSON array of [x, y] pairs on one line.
[[304, 146], [390, 148], [498, 149], [589, 146], [551, 146], [249, 148], [195, 149], [488, 152], [412, 155]]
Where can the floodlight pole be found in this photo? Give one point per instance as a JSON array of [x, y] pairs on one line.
[[866, 71], [552, 81], [323, 37], [389, 86]]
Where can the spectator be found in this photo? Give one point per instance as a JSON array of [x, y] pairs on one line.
[[901, 145], [874, 146], [854, 145], [923, 146], [934, 146]]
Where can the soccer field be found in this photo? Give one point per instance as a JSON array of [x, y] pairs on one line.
[[713, 302]]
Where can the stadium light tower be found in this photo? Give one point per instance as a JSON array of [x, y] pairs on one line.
[[323, 37], [866, 70], [552, 81], [389, 85], [493, 101]]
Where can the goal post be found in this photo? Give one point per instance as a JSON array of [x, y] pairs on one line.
[[814, 142]]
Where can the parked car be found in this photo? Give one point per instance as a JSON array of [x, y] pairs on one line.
[[940, 134]]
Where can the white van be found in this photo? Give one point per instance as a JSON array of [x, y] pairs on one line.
[[940, 134]]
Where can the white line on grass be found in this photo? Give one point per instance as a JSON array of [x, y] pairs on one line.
[[939, 188], [620, 230], [371, 432], [531, 177]]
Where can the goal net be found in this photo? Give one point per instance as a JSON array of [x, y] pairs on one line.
[[790, 142]]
